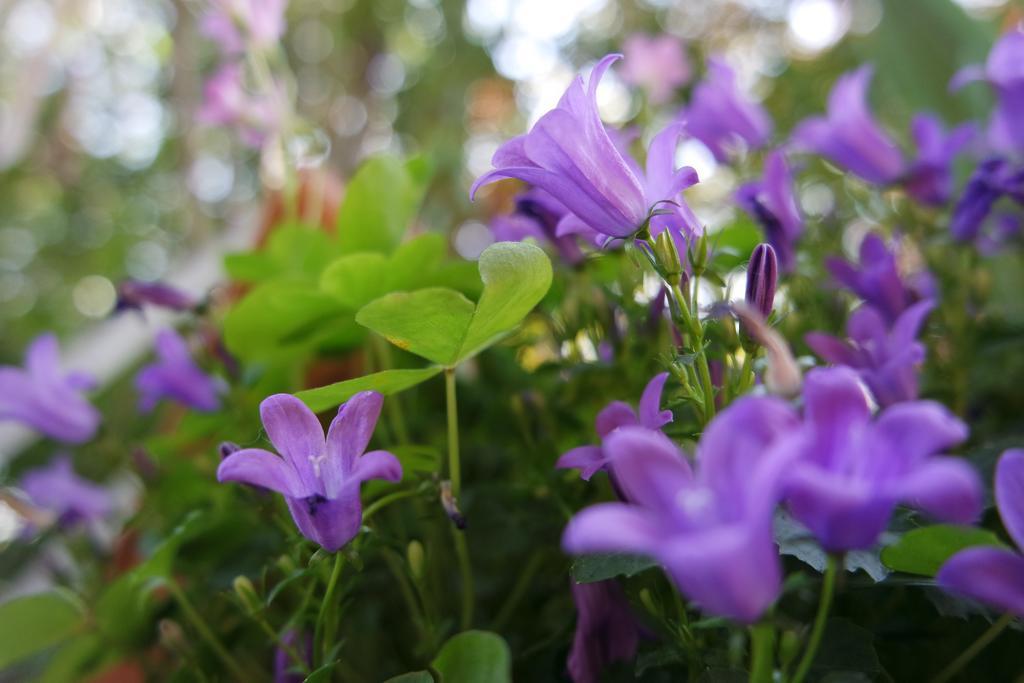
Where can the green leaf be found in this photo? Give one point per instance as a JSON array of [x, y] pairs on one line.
[[516, 276], [250, 266], [296, 250], [321, 675], [443, 326], [923, 551], [418, 458], [33, 623], [412, 677], [602, 566], [380, 202], [845, 649], [386, 382], [429, 322], [475, 657]]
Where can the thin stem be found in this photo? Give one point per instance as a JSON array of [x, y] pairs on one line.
[[827, 591], [466, 573], [280, 643], [975, 648], [762, 655], [697, 343], [319, 636], [523, 583], [454, 469], [384, 501], [205, 633]]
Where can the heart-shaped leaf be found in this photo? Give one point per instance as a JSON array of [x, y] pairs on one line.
[[475, 657], [386, 382], [923, 551], [442, 326], [32, 623]]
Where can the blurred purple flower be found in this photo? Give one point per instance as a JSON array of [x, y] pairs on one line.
[[762, 276], [537, 215], [1004, 71], [47, 399], [722, 117], [877, 280], [773, 205], [134, 294], [849, 135], [929, 179], [176, 376], [993, 179], [712, 531], [237, 24], [227, 102], [284, 665], [319, 478], [591, 459], [569, 154], [657, 64], [606, 630], [57, 489], [886, 359], [995, 575], [852, 470]]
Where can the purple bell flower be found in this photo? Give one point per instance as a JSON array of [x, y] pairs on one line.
[[995, 575], [877, 280], [591, 459], [886, 359], [570, 155], [762, 277], [1004, 71], [319, 477], [176, 376], [47, 399], [722, 117], [134, 294], [711, 530], [851, 470], [849, 135], [771, 202], [237, 24], [72, 499], [929, 179], [993, 179], [606, 630], [656, 64], [537, 215]]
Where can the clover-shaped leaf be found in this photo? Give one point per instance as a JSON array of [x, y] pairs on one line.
[[445, 327]]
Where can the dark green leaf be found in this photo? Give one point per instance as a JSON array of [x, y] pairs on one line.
[[386, 382], [845, 647], [598, 567], [33, 623], [412, 677], [475, 657], [321, 675], [923, 551]]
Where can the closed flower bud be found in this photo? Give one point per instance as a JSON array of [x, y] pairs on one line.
[[789, 648], [414, 555], [226, 448], [666, 257], [762, 277], [246, 593], [451, 506], [699, 254], [286, 564], [172, 637]]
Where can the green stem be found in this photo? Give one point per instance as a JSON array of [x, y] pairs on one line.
[[384, 501], [697, 335], [454, 468], [279, 642], [466, 573], [975, 648], [320, 638], [230, 663], [523, 583], [762, 656], [827, 592]]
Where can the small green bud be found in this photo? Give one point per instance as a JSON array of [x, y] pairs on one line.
[[699, 254], [247, 594], [666, 255], [414, 556], [172, 637], [789, 648], [648, 602], [286, 564]]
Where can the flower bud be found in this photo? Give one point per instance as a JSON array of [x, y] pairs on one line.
[[782, 376], [699, 254], [762, 277], [226, 448], [287, 565], [134, 294], [667, 257], [414, 556], [789, 648], [172, 637], [451, 506], [246, 593]]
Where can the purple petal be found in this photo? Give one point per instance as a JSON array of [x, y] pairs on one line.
[[966, 75], [650, 401], [948, 489], [842, 513], [330, 523], [376, 465], [257, 467], [991, 575], [296, 434], [610, 528], [834, 396], [914, 430], [614, 415], [908, 325], [649, 468], [587, 459], [349, 435], [1009, 491], [832, 349]]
